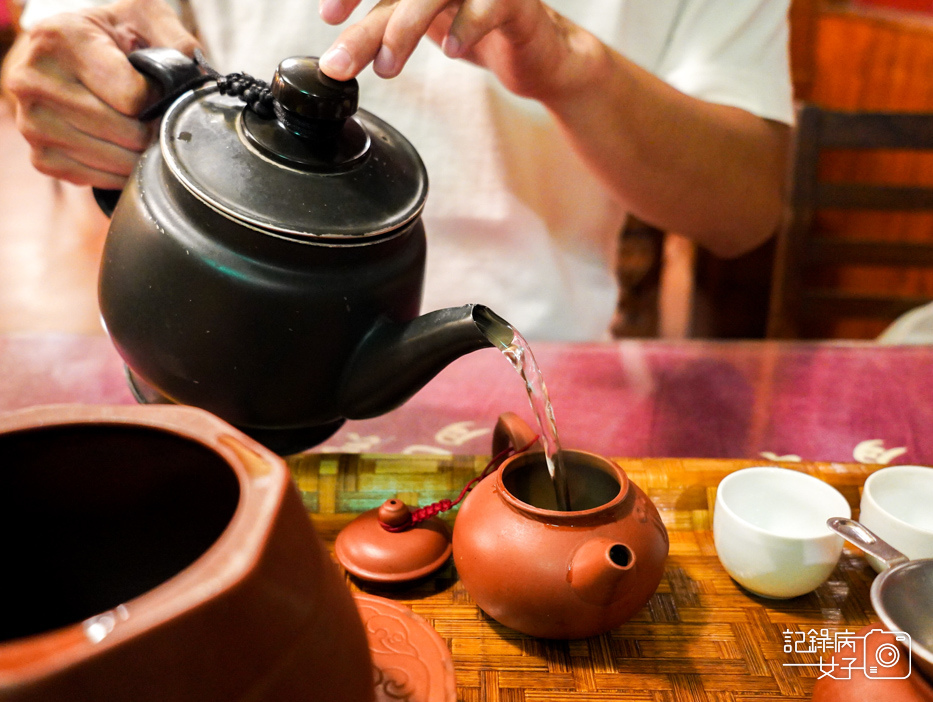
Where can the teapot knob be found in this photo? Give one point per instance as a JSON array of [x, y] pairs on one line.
[[394, 513], [308, 101]]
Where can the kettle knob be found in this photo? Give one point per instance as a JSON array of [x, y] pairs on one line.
[[307, 100]]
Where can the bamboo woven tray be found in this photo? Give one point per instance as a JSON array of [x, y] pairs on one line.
[[701, 638]]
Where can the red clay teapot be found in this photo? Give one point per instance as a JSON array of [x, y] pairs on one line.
[[550, 573], [265, 261]]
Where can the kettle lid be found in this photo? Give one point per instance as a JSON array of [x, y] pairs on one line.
[[320, 169]]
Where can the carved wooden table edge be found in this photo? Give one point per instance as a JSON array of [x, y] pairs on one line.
[[700, 637]]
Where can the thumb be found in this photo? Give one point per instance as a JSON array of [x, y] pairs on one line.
[[138, 24], [172, 34], [145, 23]]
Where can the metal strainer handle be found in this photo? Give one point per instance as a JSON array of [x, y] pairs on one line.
[[858, 534]]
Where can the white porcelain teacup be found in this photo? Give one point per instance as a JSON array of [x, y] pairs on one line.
[[770, 531], [897, 504]]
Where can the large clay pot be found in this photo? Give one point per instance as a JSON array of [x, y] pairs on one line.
[[156, 553], [558, 574]]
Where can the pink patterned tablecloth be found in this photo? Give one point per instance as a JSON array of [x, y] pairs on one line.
[[821, 402]]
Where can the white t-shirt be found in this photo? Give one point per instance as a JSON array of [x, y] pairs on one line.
[[514, 218]]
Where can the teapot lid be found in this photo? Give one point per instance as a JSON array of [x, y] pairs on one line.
[[319, 170], [377, 547]]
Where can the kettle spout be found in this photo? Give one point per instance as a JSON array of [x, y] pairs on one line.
[[601, 571], [396, 359]]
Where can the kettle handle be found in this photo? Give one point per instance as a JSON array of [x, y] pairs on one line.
[[170, 71], [513, 431]]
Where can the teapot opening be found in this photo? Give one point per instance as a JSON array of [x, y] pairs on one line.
[[96, 516], [527, 479]]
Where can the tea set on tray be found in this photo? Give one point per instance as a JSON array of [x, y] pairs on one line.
[[162, 552]]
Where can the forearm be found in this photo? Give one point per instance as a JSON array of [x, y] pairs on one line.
[[710, 172]]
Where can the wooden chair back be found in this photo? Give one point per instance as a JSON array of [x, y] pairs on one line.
[[799, 303]]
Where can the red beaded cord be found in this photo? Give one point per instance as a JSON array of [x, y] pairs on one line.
[[435, 508]]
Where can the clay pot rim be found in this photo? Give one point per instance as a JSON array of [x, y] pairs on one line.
[[263, 479], [602, 463]]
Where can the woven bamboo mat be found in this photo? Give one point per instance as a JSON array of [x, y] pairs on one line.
[[700, 638]]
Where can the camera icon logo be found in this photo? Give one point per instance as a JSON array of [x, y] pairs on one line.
[[883, 651]]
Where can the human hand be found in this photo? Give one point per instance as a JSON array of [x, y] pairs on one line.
[[527, 45], [77, 96]]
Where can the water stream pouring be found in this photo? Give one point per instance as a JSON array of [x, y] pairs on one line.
[[517, 349]]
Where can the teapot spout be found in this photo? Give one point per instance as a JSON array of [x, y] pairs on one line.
[[601, 570], [396, 359]]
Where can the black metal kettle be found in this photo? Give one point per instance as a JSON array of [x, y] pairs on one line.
[[267, 264]]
